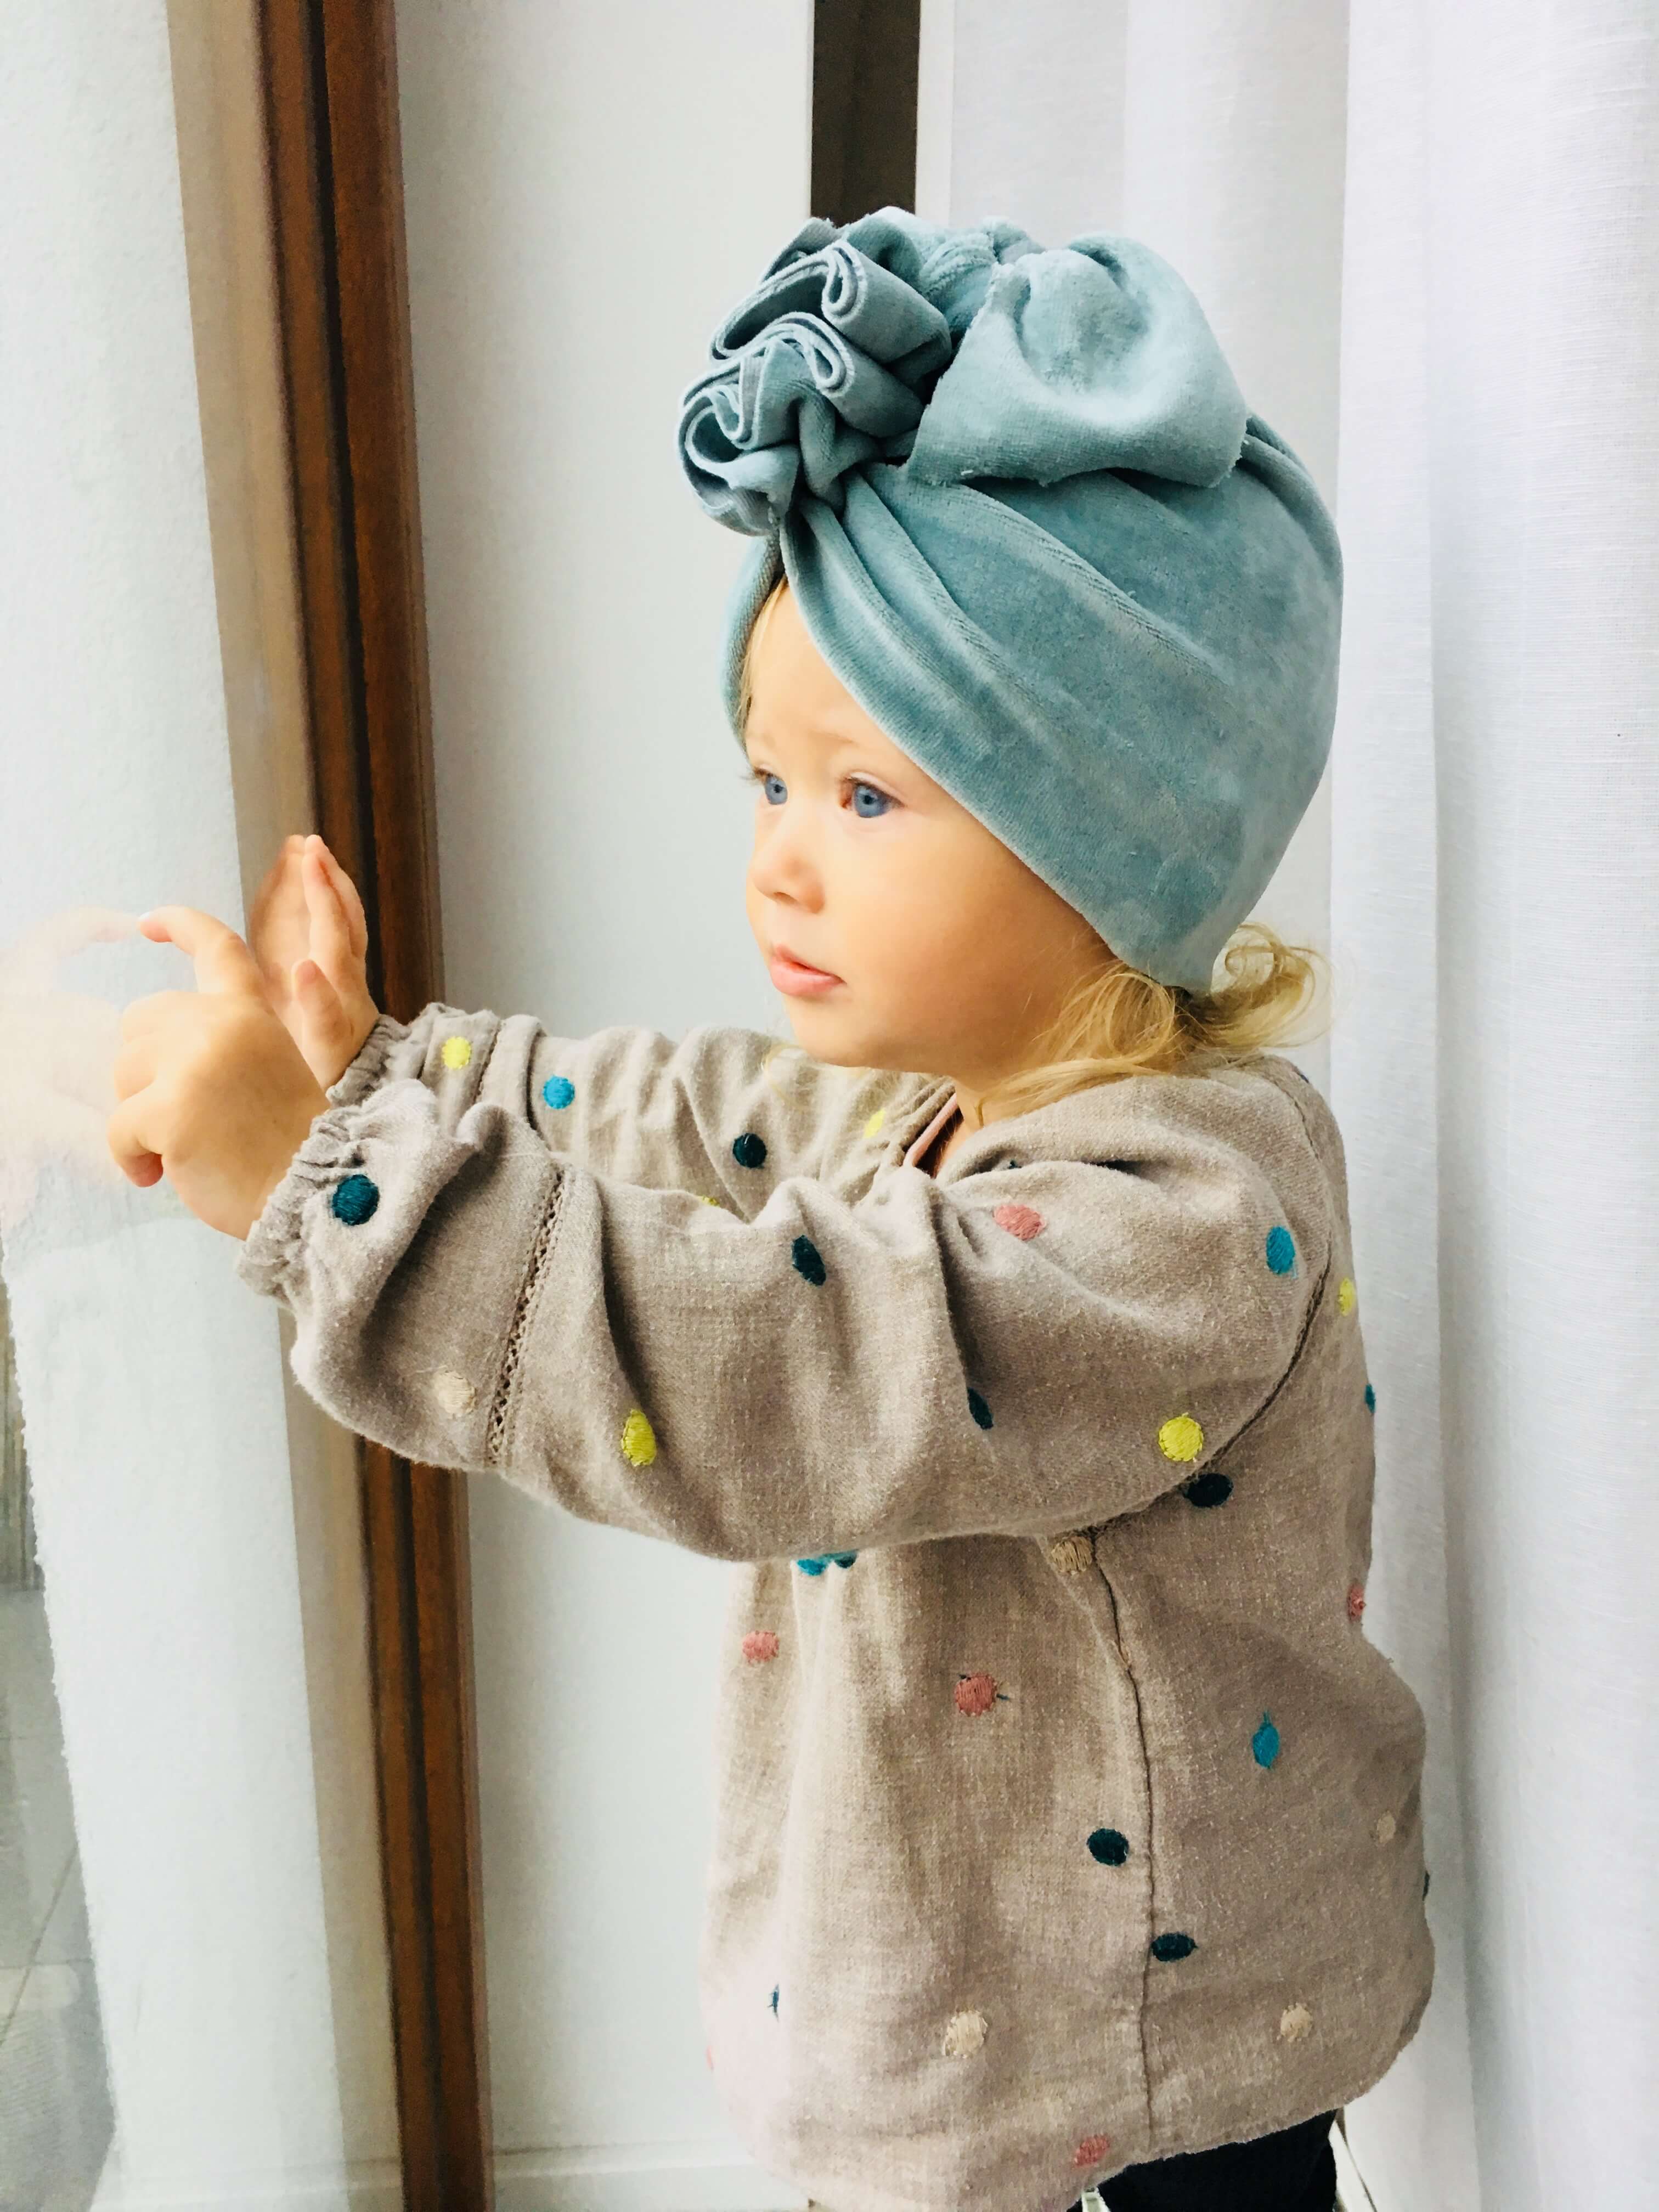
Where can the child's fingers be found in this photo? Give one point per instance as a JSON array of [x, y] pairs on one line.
[[346, 891], [124, 1132], [331, 929]]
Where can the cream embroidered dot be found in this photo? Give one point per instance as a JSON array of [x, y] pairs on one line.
[[1294, 2022], [964, 2033], [454, 1392], [1384, 1829]]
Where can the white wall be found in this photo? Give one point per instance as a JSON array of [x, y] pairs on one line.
[[151, 1382], [588, 189]]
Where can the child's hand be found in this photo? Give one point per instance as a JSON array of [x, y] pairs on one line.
[[216, 1095], [308, 934]]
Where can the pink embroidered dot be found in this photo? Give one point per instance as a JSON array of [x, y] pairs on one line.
[[761, 1644], [1356, 1600], [1022, 1221], [1092, 2150], [976, 1693], [709, 2055]]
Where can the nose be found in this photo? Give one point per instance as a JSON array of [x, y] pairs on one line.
[[783, 865]]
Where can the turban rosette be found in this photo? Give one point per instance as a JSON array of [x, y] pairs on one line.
[[1032, 527]]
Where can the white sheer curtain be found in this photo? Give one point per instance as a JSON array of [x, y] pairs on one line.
[[1428, 234]]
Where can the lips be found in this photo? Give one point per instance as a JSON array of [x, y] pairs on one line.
[[793, 960]]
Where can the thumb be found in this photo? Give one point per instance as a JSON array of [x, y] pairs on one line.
[[325, 1035]]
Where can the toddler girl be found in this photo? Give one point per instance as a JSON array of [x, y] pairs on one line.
[[1068, 1831]]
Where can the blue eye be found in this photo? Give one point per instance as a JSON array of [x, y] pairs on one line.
[[773, 787], [870, 813]]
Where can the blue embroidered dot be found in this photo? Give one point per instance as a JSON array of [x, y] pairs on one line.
[[1109, 1845], [1370, 1399], [749, 1151], [1264, 1743], [1281, 1250], [1211, 1489], [978, 1409], [557, 1091], [813, 1566], [773, 2001], [355, 1198], [809, 1260], [1173, 1946], [816, 1566]]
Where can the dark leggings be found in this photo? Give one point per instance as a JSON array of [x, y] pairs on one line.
[[1294, 2171]]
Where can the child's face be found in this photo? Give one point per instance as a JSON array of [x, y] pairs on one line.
[[947, 954]]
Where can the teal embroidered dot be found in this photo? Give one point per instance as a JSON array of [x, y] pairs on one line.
[[1370, 1399], [749, 1151], [1211, 1489], [1264, 1743], [773, 2001], [1281, 1250], [1173, 1946], [1109, 1846], [557, 1091], [809, 1260], [842, 1558], [816, 1566], [813, 1566], [978, 1409], [354, 1200]]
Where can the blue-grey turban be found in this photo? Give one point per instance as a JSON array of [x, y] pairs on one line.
[[1033, 529]]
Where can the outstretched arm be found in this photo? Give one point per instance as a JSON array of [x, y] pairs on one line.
[[829, 1374]]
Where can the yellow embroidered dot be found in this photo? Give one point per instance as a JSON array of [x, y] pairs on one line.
[[456, 1051], [1345, 1295], [639, 1439], [1181, 1438], [872, 1126]]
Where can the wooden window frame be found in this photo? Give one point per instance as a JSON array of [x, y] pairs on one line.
[[329, 70]]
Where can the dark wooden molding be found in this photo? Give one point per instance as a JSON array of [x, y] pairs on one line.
[[337, 187], [864, 60]]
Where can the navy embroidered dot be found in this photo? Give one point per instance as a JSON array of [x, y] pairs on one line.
[[809, 1260], [354, 1200], [1370, 1399], [1211, 1489], [978, 1409], [1281, 1250], [1173, 1946], [773, 2001], [1109, 1846], [557, 1091], [749, 1151], [1264, 1743], [1425, 1881]]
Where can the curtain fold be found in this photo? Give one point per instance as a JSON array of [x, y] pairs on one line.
[[1495, 904]]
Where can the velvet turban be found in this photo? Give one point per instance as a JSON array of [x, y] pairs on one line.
[[1032, 527]]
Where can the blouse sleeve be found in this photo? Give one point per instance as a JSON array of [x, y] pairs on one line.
[[679, 1114], [1019, 1349]]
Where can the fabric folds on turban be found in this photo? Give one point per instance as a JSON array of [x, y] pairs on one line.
[[1032, 527]]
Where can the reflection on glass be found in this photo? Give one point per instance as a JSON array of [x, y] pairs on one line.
[[55, 2118]]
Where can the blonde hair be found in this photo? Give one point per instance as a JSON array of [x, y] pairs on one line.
[[1118, 1021]]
